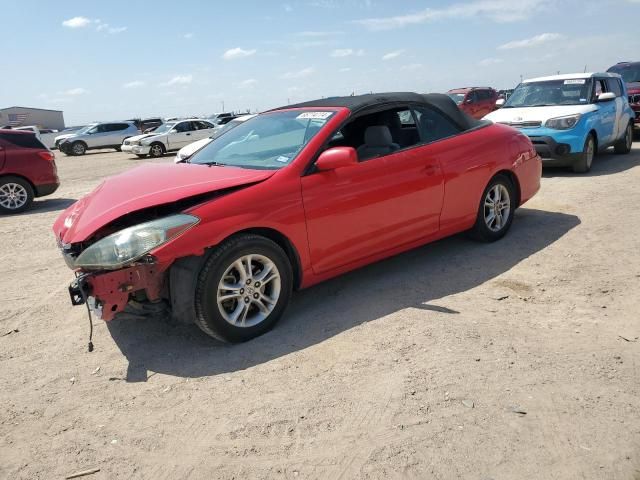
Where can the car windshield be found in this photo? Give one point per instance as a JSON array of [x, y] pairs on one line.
[[86, 129], [456, 97], [269, 141], [629, 73], [575, 91], [165, 127]]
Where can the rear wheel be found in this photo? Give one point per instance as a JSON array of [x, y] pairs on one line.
[[583, 165], [243, 288], [496, 210], [16, 195], [156, 150], [625, 143]]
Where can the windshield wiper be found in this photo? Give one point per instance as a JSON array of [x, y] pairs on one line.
[[215, 164]]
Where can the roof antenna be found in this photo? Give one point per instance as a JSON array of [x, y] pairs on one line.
[[585, 69]]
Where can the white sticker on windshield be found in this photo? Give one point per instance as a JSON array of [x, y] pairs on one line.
[[575, 81], [282, 159], [314, 115]]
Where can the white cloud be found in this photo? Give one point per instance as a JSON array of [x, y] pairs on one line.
[[178, 80], [114, 30], [345, 69], [76, 22], [305, 72], [188, 36], [346, 52], [134, 84], [392, 55], [287, 8], [496, 10], [487, 62], [248, 83], [237, 52], [531, 42], [74, 91]]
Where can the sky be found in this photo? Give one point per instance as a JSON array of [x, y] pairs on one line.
[[116, 59]]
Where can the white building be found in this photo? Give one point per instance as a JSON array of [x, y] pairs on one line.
[[19, 116]]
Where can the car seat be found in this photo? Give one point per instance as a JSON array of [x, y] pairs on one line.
[[377, 142]]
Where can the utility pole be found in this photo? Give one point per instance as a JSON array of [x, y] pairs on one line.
[[222, 102]]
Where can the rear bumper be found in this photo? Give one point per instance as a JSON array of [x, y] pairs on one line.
[[47, 189]]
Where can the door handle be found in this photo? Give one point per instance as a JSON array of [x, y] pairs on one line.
[[188, 134]]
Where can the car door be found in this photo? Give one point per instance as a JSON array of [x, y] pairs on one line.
[[95, 137], [374, 206], [605, 123], [202, 130], [180, 135], [3, 147], [622, 118]]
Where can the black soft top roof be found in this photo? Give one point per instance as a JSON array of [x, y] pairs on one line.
[[357, 103]]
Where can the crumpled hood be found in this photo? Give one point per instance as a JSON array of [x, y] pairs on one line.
[[542, 114], [137, 138], [143, 187]]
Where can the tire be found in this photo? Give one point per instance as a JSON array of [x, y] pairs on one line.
[[490, 227], [625, 143], [141, 156], [77, 148], [156, 150], [583, 165], [16, 195], [117, 149], [230, 320]]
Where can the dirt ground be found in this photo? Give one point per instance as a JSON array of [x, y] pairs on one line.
[[515, 360]]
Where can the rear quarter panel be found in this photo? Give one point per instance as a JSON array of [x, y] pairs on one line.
[[470, 160]]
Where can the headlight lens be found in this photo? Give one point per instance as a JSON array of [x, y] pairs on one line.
[[563, 123], [130, 244]]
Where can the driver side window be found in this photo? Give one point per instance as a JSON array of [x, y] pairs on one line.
[[182, 127]]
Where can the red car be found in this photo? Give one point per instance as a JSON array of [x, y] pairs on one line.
[[290, 198], [630, 73], [475, 101], [27, 170]]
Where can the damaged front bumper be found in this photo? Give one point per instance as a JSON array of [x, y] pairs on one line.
[[108, 292]]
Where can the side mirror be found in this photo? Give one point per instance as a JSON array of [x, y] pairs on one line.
[[468, 101], [173, 130], [606, 97], [336, 157], [500, 102]]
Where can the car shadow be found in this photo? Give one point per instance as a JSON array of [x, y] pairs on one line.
[[607, 163], [411, 280], [48, 205]]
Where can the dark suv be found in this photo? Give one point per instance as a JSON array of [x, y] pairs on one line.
[[475, 101], [630, 73], [27, 170]]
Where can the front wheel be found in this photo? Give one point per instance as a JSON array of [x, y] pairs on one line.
[[78, 148], [243, 288], [625, 143], [156, 150], [583, 165], [16, 195], [496, 210]]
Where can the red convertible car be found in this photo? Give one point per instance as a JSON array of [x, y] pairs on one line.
[[290, 198]]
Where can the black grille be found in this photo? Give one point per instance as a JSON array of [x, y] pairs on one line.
[[529, 124]]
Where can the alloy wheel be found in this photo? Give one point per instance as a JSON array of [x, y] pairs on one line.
[[497, 207], [156, 150], [13, 196], [589, 152], [629, 139], [78, 149], [249, 290]]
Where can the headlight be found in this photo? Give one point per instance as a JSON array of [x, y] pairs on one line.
[[130, 244], [563, 123]]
